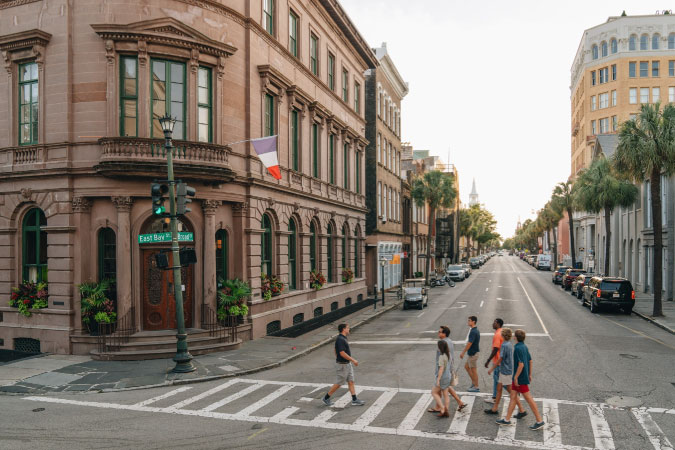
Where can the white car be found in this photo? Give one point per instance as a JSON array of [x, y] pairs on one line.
[[543, 262], [456, 272]]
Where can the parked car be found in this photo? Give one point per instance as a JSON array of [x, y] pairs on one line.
[[609, 291], [543, 262], [467, 269], [570, 275], [475, 262], [558, 274], [455, 272], [579, 283], [531, 259], [414, 293]]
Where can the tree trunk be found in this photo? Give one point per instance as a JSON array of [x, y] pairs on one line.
[[432, 213], [555, 248], [572, 246], [655, 185], [608, 236], [548, 239]]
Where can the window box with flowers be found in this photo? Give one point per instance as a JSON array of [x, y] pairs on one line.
[[29, 295], [347, 275], [97, 309], [270, 286], [316, 280], [232, 298]]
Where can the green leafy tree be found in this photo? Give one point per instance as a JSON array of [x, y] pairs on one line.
[[552, 216], [599, 190], [646, 150], [436, 189], [563, 199]]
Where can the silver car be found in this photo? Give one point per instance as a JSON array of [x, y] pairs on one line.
[[467, 269], [456, 272]]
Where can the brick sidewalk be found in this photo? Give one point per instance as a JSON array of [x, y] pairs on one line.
[[644, 306]]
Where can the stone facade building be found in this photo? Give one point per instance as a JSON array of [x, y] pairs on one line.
[[85, 83]]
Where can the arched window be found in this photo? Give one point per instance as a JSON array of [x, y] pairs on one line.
[[266, 246], [334, 306], [613, 47], [107, 259], [603, 49], [222, 246], [34, 246], [312, 246], [594, 51], [656, 41], [298, 318], [318, 311], [344, 246], [329, 255], [292, 254], [348, 301], [644, 39], [273, 327], [632, 42], [671, 41], [357, 251]]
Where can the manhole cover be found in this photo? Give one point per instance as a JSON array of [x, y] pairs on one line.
[[624, 402], [628, 356]]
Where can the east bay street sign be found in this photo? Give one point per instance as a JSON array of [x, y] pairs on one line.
[[183, 236]]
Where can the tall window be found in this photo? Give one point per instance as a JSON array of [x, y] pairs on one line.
[[379, 147], [107, 259], [314, 54], [128, 96], [331, 159], [604, 100], [34, 246], [643, 42], [593, 103], [269, 115], [656, 41], [613, 72], [613, 47], [671, 41], [357, 174], [656, 94], [345, 166], [345, 85], [293, 34], [344, 247], [631, 69], [315, 150], [28, 104], [603, 49], [632, 96], [221, 255], [312, 246], [268, 16], [615, 123], [671, 94], [266, 246], [644, 95], [357, 251], [671, 68], [594, 50], [655, 68], [632, 43], [168, 96], [295, 157], [204, 105], [329, 253], [613, 98], [379, 199], [357, 97], [593, 78], [644, 69], [292, 254], [331, 72]]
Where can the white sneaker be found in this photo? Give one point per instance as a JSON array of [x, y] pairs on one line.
[[490, 400]]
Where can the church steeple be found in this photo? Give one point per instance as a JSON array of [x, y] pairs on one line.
[[473, 197]]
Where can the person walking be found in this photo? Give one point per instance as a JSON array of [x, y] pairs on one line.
[[344, 367], [472, 349], [497, 341], [444, 335], [522, 377], [505, 365], [443, 378]]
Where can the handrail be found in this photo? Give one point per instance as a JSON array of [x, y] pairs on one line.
[[111, 336], [222, 329]]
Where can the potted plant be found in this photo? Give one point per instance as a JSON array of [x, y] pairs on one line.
[[270, 286], [232, 299], [347, 275], [29, 295], [96, 307], [316, 280]]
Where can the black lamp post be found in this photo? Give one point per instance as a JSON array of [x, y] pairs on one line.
[[183, 358], [383, 262]]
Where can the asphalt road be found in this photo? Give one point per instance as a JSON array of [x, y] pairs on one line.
[[582, 362]]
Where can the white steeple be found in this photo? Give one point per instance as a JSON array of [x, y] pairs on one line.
[[473, 197]]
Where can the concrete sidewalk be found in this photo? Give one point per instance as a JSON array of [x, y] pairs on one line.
[[644, 307], [57, 373]]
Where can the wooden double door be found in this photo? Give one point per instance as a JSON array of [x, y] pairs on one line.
[[159, 303]]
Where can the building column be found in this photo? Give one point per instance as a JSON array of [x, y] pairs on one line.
[[84, 258], [238, 246], [209, 208], [123, 255]]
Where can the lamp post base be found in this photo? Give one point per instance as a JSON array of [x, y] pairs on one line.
[[183, 358]]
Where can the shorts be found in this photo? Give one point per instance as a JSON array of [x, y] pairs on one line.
[[505, 379], [472, 362], [521, 388], [344, 373]]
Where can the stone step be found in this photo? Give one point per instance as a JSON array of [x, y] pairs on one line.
[[148, 353]]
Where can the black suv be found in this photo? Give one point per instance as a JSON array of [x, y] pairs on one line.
[[557, 276], [609, 291]]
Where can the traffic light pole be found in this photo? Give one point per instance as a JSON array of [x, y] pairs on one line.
[[183, 357]]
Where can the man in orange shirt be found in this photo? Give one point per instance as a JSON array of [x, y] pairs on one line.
[[497, 341]]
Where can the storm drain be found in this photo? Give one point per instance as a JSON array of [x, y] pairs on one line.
[[27, 345], [624, 402]]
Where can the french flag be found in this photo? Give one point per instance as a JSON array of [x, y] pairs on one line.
[[266, 148]]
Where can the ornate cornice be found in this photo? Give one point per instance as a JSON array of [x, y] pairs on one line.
[[24, 39], [11, 3], [123, 204], [210, 206], [81, 204]]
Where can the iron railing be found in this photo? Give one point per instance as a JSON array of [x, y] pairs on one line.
[[111, 336]]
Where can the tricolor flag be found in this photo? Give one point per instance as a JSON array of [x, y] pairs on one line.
[[266, 148]]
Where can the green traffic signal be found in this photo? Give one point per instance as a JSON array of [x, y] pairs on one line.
[[157, 191]]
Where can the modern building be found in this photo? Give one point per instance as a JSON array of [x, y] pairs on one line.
[[82, 143], [620, 64], [385, 90]]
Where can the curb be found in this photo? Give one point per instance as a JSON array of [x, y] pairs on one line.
[[654, 321]]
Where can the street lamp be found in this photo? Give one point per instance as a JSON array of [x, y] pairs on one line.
[[183, 358], [383, 262]]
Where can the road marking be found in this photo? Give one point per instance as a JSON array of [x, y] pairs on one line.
[[552, 432], [407, 325], [255, 434], [654, 432], [415, 414], [513, 325], [639, 332], [421, 314], [535, 309], [487, 289], [231, 398], [371, 413], [481, 303], [163, 396], [264, 401], [505, 432], [601, 431], [461, 419], [196, 398], [507, 299], [305, 399]]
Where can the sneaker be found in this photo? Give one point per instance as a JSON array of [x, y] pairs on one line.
[[473, 389], [490, 400], [358, 402], [328, 401], [520, 415], [489, 411], [536, 426], [503, 422]]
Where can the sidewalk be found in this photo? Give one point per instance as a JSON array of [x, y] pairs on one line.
[[56, 373], [644, 306]]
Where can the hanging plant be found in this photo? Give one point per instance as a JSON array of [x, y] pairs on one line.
[[29, 295], [316, 280], [347, 275], [270, 286]]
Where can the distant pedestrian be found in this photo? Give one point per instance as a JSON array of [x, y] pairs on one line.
[[494, 356], [343, 367], [505, 365], [522, 377], [472, 349], [444, 335]]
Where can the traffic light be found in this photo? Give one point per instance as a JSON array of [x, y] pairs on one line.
[[158, 190], [184, 191]]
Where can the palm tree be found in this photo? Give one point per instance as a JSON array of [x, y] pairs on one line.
[[553, 215], [465, 228], [563, 198], [436, 189], [599, 190], [646, 150]]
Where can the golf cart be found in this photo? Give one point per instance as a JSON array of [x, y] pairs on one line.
[[414, 293]]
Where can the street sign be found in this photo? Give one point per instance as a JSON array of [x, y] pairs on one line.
[[183, 236]]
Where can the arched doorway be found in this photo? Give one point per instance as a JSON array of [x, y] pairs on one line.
[[158, 305]]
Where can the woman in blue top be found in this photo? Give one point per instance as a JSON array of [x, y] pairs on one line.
[[505, 364]]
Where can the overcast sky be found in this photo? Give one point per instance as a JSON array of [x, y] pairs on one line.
[[489, 83]]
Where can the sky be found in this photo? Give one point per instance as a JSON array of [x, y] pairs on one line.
[[490, 87]]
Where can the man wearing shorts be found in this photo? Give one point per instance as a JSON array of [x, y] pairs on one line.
[[505, 366], [522, 363], [497, 342], [472, 349], [343, 367]]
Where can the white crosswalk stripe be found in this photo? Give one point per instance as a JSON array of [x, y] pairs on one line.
[[274, 395]]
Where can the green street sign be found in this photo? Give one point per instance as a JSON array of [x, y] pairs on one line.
[[183, 236]]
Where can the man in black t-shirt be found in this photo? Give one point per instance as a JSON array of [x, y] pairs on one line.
[[343, 367]]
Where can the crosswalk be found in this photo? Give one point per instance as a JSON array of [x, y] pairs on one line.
[[393, 411]]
